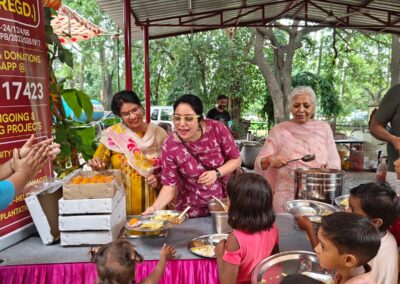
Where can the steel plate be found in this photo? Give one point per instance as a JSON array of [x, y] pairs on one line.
[[341, 201], [208, 241], [309, 208], [274, 268]]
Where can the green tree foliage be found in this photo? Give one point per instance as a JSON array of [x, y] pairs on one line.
[[347, 66], [324, 89]]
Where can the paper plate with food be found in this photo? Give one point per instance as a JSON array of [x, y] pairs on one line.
[[204, 245]]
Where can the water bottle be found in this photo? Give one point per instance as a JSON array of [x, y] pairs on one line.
[[381, 171], [357, 158]]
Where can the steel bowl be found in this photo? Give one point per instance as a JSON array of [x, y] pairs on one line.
[[274, 268]]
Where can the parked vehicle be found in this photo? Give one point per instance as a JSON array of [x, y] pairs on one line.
[[161, 114], [98, 112]]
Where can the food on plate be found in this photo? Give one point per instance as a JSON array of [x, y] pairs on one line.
[[165, 215], [176, 221], [344, 202], [326, 213], [315, 219], [152, 225], [198, 243], [93, 179], [134, 222], [206, 250]]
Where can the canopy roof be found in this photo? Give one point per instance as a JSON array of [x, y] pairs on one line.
[[173, 17], [71, 27]]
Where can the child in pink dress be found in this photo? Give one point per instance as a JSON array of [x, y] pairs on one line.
[[254, 235]]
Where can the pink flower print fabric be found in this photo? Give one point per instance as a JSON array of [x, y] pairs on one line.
[[180, 168]]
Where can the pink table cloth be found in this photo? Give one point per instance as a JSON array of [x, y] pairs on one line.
[[196, 271]]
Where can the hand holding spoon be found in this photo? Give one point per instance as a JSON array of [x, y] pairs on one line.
[[306, 158]]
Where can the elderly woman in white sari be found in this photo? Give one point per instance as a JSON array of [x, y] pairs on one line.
[[134, 147], [293, 139]]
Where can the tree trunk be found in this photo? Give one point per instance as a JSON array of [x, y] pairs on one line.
[[279, 80], [157, 85], [343, 81], [395, 62], [108, 89], [320, 48], [203, 79], [107, 77], [236, 107], [273, 85]]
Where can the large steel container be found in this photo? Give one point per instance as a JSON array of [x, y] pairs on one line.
[[318, 184], [249, 152]]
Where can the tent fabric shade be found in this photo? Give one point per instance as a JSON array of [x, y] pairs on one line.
[[70, 27]]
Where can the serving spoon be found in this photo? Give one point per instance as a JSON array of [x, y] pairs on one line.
[[179, 220], [306, 158], [224, 206]]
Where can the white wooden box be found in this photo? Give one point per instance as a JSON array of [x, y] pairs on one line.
[[89, 206], [90, 237], [94, 222], [42, 202]]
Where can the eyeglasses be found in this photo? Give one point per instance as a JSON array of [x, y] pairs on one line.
[[131, 111], [186, 118]]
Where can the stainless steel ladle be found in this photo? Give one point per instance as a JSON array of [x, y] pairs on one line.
[[306, 158]]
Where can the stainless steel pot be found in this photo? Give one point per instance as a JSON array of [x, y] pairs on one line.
[[318, 184], [249, 152]]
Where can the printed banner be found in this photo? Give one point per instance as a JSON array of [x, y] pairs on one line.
[[24, 92]]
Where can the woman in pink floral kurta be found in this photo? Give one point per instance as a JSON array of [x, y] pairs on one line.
[[293, 139], [196, 160]]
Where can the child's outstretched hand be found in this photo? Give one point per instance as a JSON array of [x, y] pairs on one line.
[[220, 249], [167, 252], [304, 223]]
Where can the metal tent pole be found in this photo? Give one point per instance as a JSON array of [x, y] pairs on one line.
[[128, 47], [146, 71]]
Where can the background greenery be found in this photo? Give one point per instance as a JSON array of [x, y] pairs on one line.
[[345, 67]]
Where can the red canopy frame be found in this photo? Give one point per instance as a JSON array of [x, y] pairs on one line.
[[368, 15]]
